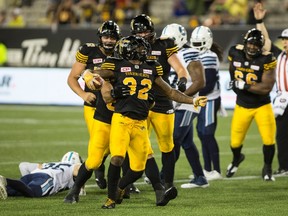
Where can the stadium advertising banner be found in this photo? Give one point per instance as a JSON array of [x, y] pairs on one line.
[[32, 47], [41, 86]]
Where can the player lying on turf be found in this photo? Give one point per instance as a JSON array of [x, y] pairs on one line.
[[39, 180]]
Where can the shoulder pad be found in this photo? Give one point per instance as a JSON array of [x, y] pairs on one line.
[[239, 47], [84, 49], [91, 44]]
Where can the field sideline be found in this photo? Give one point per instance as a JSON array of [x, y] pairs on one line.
[[46, 133]]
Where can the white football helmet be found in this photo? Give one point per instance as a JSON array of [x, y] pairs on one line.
[[176, 32], [71, 157], [201, 38]]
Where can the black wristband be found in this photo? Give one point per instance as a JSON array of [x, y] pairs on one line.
[[259, 21]]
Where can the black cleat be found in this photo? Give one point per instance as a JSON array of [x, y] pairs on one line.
[[134, 189], [109, 204], [233, 167], [267, 173], [101, 182], [163, 197], [73, 195]]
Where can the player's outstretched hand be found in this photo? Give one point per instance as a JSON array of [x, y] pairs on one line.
[[200, 101]]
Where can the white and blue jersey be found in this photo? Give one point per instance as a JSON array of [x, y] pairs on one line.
[[61, 177], [210, 63], [185, 55]]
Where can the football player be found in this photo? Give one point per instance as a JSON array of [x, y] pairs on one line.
[[185, 113], [161, 116], [91, 56], [252, 73], [129, 132], [210, 55], [39, 180], [280, 102]]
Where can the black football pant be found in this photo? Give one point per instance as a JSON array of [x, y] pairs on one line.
[[282, 140]]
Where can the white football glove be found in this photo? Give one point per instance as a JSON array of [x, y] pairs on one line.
[[240, 84]]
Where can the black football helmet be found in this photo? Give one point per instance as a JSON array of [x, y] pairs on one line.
[[109, 28], [133, 48], [255, 37], [141, 24]]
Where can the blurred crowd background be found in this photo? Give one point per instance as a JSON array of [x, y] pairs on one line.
[[89, 13]]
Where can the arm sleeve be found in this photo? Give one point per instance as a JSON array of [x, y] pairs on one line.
[[26, 167], [211, 79]]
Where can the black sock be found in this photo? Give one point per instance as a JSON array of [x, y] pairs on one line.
[[125, 165], [236, 153], [130, 177], [152, 172], [100, 172], [83, 176], [168, 161], [268, 151], [113, 178]]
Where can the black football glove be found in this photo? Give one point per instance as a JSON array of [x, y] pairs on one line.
[[120, 91], [151, 100], [182, 84]]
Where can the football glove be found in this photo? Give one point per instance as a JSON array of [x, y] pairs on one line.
[[88, 77], [182, 84], [240, 84], [199, 101], [120, 91]]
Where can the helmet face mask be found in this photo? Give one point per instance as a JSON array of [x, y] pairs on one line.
[[142, 24], [133, 48], [201, 39], [253, 43], [109, 29], [176, 32]]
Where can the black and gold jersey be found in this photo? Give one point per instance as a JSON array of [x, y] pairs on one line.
[[251, 72], [91, 55], [139, 78], [162, 49]]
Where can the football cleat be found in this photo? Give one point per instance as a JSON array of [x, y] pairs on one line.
[[127, 192], [267, 173], [164, 196], [109, 204], [119, 195], [101, 182], [171, 193], [3, 191], [73, 195], [134, 189], [233, 167], [281, 172], [212, 175], [147, 180], [197, 182]]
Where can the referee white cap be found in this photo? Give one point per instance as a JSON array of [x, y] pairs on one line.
[[284, 34]]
